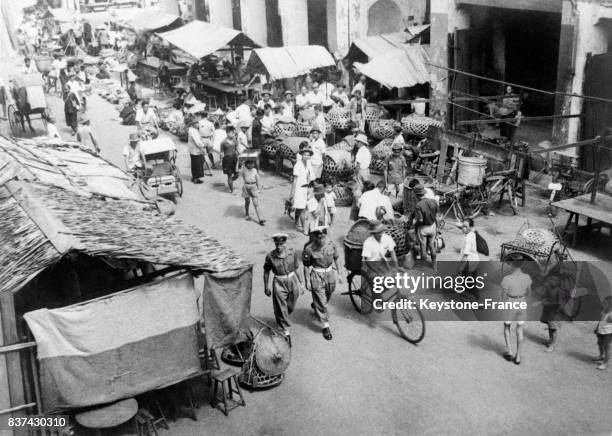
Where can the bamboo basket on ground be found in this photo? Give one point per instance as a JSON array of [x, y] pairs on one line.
[[418, 125], [338, 165], [381, 129], [284, 129], [339, 118], [382, 150], [373, 112]]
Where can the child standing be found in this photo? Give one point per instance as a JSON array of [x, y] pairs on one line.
[[330, 202], [229, 157], [604, 334], [251, 189]]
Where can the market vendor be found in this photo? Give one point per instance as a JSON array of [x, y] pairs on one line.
[[28, 67], [301, 101], [379, 246], [363, 158], [163, 76], [303, 175], [315, 96], [287, 284], [340, 97], [288, 106], [319, 149], [395, 169], [319, 258], [267, 122], [266, 100], [146, 119], [131, 154]]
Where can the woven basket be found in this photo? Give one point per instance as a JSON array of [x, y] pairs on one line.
[[342, 145], [302, 129], [284, 129], [381, 129], [269, 149], [289, 147], [344, 195], [339, 118], [377, 166], [373, 112], [337, 164], [382, 150], [398, 230], [418, 126]]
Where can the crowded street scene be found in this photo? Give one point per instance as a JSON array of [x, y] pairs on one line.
[[305, 217]]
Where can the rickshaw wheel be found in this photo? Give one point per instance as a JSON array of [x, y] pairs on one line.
[[469, 204], [410, 324], [354, 291], [13, 119]]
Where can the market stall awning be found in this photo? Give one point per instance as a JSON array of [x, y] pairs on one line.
[[60, 14], [112, 15], [290, 61], [151, 21], [200, 39], [373, 46], [399, 68]]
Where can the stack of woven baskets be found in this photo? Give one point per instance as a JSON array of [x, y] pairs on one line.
[[339, 118], [416, 125], [379, 154]]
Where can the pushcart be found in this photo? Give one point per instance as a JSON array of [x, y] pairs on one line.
[[28, 98]]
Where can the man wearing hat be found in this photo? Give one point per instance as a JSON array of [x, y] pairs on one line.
[[363, 158], [287, 285], [265, 99], [85, 135], [318, 149], [288, 105], [319, 258], [426, 222], [303, 174], [207, 129], [395, 168], [379, 246], [131, 153], [197, 149]]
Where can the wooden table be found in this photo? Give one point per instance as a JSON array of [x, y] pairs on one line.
[[600, 211]]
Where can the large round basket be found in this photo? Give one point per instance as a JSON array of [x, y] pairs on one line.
[[342, 145], [398, 230], [373, 112], [44, 64], [338, 164], [418, 126], [353, 244], [289, 147], [339, 118], [381, 129], [344, 195], [284, 129], [270, 148], [302, 129], [471, 170], [269, 358], [382, 150], [377, 166]]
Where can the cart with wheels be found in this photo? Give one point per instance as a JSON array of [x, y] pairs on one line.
[[160, 172], [27, 99], [409, 321]]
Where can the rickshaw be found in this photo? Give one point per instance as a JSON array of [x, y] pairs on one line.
[[160, 172], [28, 98], [409, 321]]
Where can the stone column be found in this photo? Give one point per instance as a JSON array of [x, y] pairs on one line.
[[254, 22], [220, 12], [294, 19]]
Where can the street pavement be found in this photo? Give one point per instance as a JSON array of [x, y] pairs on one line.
[[368, 380]]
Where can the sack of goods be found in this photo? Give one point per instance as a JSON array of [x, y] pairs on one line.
[[381, 129], [418, 126]]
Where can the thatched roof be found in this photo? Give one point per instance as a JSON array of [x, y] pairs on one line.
[[49, 209]]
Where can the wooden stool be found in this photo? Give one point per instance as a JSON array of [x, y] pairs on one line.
[[145, 423], [226, 402]]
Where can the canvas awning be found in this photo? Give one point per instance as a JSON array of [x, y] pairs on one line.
[[152, 21], [373, 46], [290, 61], [60, 14], [200, 39], [399, 68]]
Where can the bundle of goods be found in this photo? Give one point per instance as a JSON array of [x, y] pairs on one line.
[[373, 112], [418, 125], [284, 129], [339, 118], [344, 195], [381, 129], [302, 129], [289, 147], [338, 164]]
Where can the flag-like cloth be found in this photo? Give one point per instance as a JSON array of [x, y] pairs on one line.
[[117, 346]]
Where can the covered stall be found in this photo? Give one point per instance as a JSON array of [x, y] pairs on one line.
[[60, 18], [84, 255], [151, 20], [199, 40]]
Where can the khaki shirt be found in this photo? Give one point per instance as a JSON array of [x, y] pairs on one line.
[[281, 265], [320, 256]]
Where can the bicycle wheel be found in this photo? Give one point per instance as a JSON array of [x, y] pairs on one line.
[[469, 204], [410, 324]]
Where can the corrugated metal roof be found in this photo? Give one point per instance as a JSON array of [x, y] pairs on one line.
[[290, 61], [398, 68], [200, 39]]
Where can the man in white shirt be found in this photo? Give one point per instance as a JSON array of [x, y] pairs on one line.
[[28, 67], [146, 119], [374, 205], [360, 86], [315, 97], [207, 130], [242, 139], [288, 106], [303, 174], [319, 120], [340, 97], [363, 158], [301, 101], [319, 149], [327, 90], [267, 122], [265, 100], [243, 111], [131, 153], [379, 246]]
